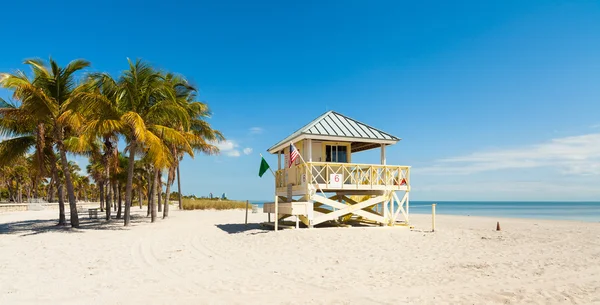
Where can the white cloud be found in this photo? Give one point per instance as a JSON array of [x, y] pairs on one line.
[[226, 145], [229, 148], [578, 155], [233, 153], [256, 130]]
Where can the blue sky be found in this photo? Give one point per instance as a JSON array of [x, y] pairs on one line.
[[493, 100]]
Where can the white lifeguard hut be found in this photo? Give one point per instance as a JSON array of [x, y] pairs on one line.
[[324, 186]]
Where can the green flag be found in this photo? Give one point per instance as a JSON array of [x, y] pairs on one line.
[[264, 166]]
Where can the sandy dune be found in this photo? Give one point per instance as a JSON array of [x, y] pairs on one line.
[[207, 257]]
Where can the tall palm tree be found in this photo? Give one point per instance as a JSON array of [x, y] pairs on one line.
[[198, 132], [45, 99], [120, 177], [140, 181], [138, 106], [96, 172], [26, 132], [97, 102], [151, 105]]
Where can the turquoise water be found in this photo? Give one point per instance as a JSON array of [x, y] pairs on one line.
[[582, 211]]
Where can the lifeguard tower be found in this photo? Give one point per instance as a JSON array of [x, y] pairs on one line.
[[324, 186]]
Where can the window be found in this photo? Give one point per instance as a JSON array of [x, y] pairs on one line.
[[336, 153]]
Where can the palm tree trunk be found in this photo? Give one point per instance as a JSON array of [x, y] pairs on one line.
[[19, 198], [51, 185], [69, 183], [119, 190], [101, 188], [107, 200], [150, 190], [170, 178], [114, 194], [40, 158], [106, 183], [62, 219], [55, 182], [129, 186], [140, 197], [179, 187], [160, 191], [154, 196]]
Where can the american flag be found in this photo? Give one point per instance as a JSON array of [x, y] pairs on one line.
[[293, 154]]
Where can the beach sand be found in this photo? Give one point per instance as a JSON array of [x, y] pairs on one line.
[[210, 257]]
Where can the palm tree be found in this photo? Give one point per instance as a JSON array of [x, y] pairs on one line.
[[27, 132], [96, 171], [97, 102], [148, 106], [45, 99], [17, 179], [140, 181], [138, 106], [198, 132], [120, 176]]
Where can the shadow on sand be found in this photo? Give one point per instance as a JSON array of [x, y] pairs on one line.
[[39, 226], [235, 228]]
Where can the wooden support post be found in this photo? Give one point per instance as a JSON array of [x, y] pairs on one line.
[[433, 217], [276, 213], [392, 210], [278, 160], [268, 217], [383, 161], [309, 150], [407, 206], [384, 206], [246, 212]]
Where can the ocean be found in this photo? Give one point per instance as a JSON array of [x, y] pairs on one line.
[[581, 211]]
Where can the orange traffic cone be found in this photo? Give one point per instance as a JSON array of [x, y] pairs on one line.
[[498, 226]]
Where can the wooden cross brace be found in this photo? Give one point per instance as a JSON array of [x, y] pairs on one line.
[[356, 209]]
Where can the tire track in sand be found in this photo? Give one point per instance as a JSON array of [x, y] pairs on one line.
[[201, 248], [144, 254]]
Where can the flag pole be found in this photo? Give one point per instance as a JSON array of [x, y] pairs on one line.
[[272, 172]]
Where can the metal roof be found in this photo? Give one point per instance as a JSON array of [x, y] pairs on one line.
[[335, 125]]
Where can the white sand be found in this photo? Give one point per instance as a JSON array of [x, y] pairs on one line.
[[191, 259]]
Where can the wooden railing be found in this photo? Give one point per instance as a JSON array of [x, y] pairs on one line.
[[348, 176]]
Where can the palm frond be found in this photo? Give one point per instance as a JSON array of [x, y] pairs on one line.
[[158, 153], [38, 66], [136, 124], [76, 65], [14, 148], [172, 136]]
